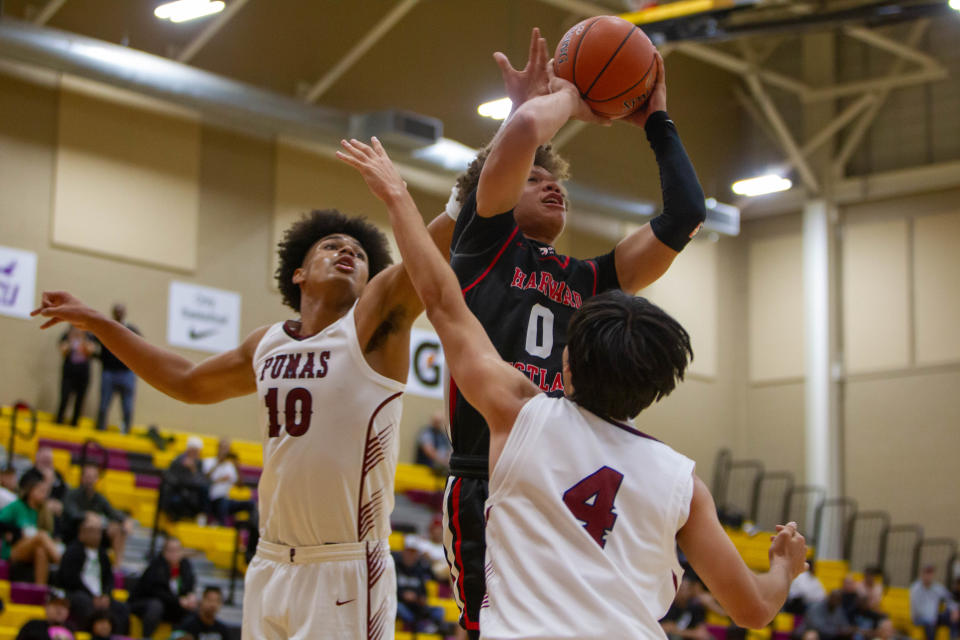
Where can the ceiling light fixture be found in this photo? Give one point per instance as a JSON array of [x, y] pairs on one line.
[[183, 10], [955, 5], [762, 185], [447, 153], [496, 109]]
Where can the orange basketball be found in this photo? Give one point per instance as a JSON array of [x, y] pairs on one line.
[[611, 62]]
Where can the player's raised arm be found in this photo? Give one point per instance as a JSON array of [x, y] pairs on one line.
[[751, 600], [646, 254], [491, 385], [223, 376]]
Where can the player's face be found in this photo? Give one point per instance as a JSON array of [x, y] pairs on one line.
[[542, 210], [337, 257]]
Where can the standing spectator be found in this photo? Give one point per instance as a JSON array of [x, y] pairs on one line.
[[926, 598], [186, 491], [433, 445], [76, 347], [55, 626], [828, 618], [85, 499], [165, 590], [221, 472], [412, 578], [86, 574], [805, 591], [8, 486], [116, 378], [204, 623], [29, 525], [687, 617]]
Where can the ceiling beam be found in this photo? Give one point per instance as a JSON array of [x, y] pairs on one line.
[[48, 11], [740, 66], [363, 45], [892, 46], [579, 7], [211, 30]]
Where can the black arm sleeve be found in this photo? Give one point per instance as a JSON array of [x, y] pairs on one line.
[[683, 203]]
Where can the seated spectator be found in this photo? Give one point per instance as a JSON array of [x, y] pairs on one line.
[[101, 625], [55, 626], [872, 590], [221, 472], [687, 617], [432, 549], [29, 526], [8, 486], [186, 490], [165, 590], [433, 445], [85, 499], [86, 574], [931, 605], [412, 577], [204, 623], [43, 465], [828, 618], [805, 591]]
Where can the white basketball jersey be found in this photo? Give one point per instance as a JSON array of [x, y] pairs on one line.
[[581, 528], [329, 424]]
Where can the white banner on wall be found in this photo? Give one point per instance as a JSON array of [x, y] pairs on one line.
[[426, 364], [18, 281], [203, 318]]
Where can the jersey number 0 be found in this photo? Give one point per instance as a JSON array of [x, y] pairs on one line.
[[540, 331], [298, 407]]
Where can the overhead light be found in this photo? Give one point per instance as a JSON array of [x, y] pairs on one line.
[[499, 109], [770, 183], [183, 10], [447, 153], [955, 5]]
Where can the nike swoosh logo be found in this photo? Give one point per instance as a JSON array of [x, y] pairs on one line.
[[197, 335], [340, 604]]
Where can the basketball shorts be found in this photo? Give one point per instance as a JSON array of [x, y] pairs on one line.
[[337, 591], [464, 541]]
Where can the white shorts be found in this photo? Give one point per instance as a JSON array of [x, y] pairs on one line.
[[333, 591]]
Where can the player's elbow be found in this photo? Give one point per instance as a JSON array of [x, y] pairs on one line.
[[525, 128], [752, 615]]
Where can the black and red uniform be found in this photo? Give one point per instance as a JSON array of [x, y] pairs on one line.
[[524, 295]]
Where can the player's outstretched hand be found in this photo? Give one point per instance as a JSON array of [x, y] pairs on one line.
[[375, 166], [790, 548], [581, 110], [658, 99], [60, 306], [531, 81]]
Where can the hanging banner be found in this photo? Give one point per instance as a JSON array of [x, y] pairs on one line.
[[203, 318], [426, 364], [18, 281]]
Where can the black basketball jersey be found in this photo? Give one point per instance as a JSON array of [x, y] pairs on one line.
[[524, 294]]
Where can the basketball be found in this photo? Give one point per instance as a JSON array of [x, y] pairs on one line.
[[611, 62]]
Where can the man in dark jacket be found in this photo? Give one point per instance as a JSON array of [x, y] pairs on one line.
[[85, 499], [204, 623], [186, 493], [165, 590], [87, 576]]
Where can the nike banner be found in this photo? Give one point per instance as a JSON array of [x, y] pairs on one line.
[[203, 318]]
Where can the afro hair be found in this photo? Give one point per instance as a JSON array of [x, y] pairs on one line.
[[310, 229]]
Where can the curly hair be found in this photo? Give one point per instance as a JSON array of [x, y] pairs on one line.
[[320, 223], [546, 157]]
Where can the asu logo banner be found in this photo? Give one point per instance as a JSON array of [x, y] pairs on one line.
[[18, 278]]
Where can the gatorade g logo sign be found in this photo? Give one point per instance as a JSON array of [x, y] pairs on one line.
[[425, 377]]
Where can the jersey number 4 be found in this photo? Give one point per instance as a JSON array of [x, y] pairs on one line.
[[591, 502], [298, 407]]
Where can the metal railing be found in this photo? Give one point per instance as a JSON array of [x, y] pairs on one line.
[[800, 506], [831, 522], [864, 544], [899, 546], [14, 432], [770, 492]]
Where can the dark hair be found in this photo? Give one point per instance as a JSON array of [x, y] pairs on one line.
[[624, 353], [546, 157], [213, 589], [312, 227], [101, 614]]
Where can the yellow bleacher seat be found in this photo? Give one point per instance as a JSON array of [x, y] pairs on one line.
[[121, 595], [9, 633], [831, 573], [82, 635], [16, 615], [784, 622], [136, 629], [396, 541], [4, 591], [451, 612]]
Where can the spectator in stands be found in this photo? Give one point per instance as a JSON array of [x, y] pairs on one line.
[[116, 377], [805, 591], [433, 445], [28, 525], [828, 618], [101, 625], [165, 591], [221, 472], [86, 574], [55, 626], [687, 617], [84, 499], [187, 489], [8, 486], [412, 608], [204, 623], [927, 596], [871, 590], [76, 347], [43, 466], [431, 549]]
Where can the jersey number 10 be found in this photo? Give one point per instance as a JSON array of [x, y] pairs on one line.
[[298, 407]]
